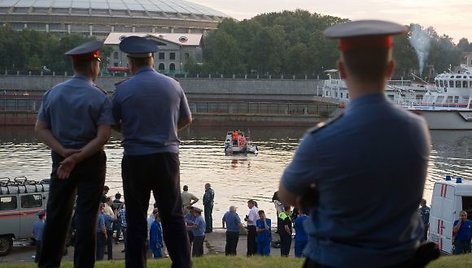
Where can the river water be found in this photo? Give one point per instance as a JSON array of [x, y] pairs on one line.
[[235, 179]]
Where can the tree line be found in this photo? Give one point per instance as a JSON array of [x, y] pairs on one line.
[[279, 43], [292, 42]]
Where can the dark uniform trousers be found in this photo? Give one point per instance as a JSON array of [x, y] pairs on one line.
[[86, 180], [160, 173], [251, 240], [232, 239]]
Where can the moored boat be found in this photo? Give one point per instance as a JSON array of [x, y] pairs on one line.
[[236, 142], [445, 105]]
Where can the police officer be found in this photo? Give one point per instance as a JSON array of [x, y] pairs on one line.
[[363, 174], [150, 108], [75, 121]]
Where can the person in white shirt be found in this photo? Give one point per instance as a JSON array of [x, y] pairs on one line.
[[251, 219], [188, 199], [108, 207]]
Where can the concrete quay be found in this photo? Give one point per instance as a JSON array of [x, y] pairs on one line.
[[214, 244]]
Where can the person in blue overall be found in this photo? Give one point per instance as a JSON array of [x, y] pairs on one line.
[[462, 233], [264, 234], [149, 109], [75, 120], [301, 238], [362, 175], [155, 237], [38, 229], [232, 222]]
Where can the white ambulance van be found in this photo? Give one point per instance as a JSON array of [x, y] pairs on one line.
[[450, 196], [20, 202]]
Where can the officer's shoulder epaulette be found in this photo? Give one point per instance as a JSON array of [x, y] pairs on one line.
[[322, 125], [119, 82], [102, 90]]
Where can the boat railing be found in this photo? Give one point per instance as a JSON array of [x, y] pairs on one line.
[[448, 105]]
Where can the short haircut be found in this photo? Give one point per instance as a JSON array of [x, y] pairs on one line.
[[81, 66], [141, 62], [367, 64]]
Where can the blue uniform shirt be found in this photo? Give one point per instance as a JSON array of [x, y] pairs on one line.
[[73, 110], [100, 222], [149, 106], [208, 197], [369, 167], [200, 230], [232, 221], [465, 232]]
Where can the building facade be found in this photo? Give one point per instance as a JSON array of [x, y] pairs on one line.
[[100, 17], [174, 50]]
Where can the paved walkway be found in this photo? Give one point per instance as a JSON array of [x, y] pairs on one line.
[[214, 244]]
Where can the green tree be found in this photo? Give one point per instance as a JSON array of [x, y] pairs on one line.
[[464, 45]]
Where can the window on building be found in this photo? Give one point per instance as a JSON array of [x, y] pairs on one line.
[[172, 67], [161, 67], [32, 201], [172, 56], [187, 56], [115, 55], [7, 203], [162, 56]]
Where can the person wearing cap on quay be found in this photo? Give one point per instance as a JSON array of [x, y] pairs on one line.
[[362, 175], [149, 109], [75, 121]]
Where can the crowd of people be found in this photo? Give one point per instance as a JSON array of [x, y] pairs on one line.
[[375, 149]]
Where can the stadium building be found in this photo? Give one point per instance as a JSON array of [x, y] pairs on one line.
[[100, 17]]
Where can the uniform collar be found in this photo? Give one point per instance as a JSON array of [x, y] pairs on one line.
[[144, 69], [82, 77], [367, 99]]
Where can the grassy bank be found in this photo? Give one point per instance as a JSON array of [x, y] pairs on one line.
[[253, 262]]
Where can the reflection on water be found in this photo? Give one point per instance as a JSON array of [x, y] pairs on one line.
[[235, 179]]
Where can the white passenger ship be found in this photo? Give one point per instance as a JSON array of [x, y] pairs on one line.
[[445, 105]]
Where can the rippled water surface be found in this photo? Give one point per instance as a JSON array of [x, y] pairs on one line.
[[235, 179]]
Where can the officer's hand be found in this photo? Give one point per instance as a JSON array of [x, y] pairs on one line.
[[66, 167]]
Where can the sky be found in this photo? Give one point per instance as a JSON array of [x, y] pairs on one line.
[[450, 17]]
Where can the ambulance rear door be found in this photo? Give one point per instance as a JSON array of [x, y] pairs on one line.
[[443, 210]]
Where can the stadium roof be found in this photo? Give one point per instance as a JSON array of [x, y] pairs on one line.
[[133, 8]]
